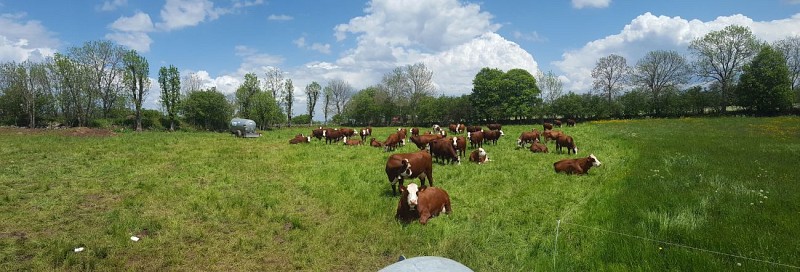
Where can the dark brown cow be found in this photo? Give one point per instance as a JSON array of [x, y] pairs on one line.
[[576, 166], [351, 142], [547, 126], [456, 128], [551, 135], [332, 135], [566, 141], [570, 122], [300, 139], [494, 126], [479, 156], [557, 123], [474, 128], [375, 143], [422, 140], [527, 137], [349, 132], [538, 147], [409, 165], [421, 202], [317, 133], [492, 135], [414, 132], [443, 149], [364, 132], [392, 142], [475, 138], [460, 144]]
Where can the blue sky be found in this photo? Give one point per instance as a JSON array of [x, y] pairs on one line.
[[356, 41]]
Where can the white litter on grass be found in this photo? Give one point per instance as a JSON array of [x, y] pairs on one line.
[[134, 238], [79, 249]]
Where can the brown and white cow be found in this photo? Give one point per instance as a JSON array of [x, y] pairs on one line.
[[375, 143], [332, 135], [364, 132], [570, 122], [460, 144], [422, 202], [351, 142], [392, 142], [474, 128], [317, 133], [349, 132], [557, 123], [566, 141], [300, 138], [403, 133], [492, 135], [443, 149], [456, 128], [409, 166], [494, 126], [547, 126], [436, 129], [475, 138], [576, 166], [527, 137], [422, 140], [479, 156], [414, 132], [538, 147], [551, 135]]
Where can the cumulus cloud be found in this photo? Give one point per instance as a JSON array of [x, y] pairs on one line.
[[112, 5], [648, 32], [139, 22], [132, 31], [322, 48], [22, 40], [532, 36], [177, 14], [138, 41], [579, 4], [281, 17]]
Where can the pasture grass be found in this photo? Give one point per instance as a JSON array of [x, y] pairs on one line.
[[209, 201]]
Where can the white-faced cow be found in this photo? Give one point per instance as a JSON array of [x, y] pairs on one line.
[[527, 137], [409, 166], [351, 142], [576, 166], [479, 156], [442, 149], [364, 132], [332, 135], [492, 135], [392, 142], [414, 132], [460, 144], [300, 138], [475, 138], [456, 128], [566, 141], [422, 202], [557, 123], [317, 133]]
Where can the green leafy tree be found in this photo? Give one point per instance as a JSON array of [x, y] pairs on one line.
[[170, 81], [765, 85], [71, 87], [265, 110], [136, 80], [327, 102], [720, 56], [245, 93], [635, 103], [302, 119], [103, 63], [551, 89], [207, 109], [312, 93], [288, 100], [364, 108], [569, 105], [500, 95]]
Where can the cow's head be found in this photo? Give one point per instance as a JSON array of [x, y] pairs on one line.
[[406, 169], [455, 141], [594, 160], [344, 139], [519, 141], [412, 190], [308, 139], [481, 152], [469, 135]]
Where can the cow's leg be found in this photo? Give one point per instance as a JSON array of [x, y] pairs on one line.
[[423, 217]]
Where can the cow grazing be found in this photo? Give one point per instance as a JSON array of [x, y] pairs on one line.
[[557, 123], [351, 142], [414, 132], [475, 138], [442, 149], [494, 126], [364, 132], [349, 132], [409, 165], [421, 202], [317, 133], [474, 128], [479, 156], [570, 122], [422, 140], [568, 142], [547, 126], [576, 166], [527, 137], [538, 147], [375, 143], [332, 135], [551, 135], [391, 142], [456, 128], [460, 144], [492, 135], [299, 138]]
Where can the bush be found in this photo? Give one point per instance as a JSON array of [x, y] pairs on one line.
[[100, 123]]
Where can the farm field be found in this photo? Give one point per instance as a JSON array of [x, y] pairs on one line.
[[210, 201]]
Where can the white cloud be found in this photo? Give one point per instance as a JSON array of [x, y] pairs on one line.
[[322, 48], [177, 14], [139, 22], [579, 4], [243, 4], [648, 32], [132, 31], [21, 40], [532, 36], [112, 5], [281, 17]]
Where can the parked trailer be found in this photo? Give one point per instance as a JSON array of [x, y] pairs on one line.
[[245, 128]]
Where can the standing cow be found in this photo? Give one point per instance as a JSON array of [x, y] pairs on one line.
[[494, 126], [317, 133], [570, 122], [409, 165], [527, 137], [492, 135], [566, 141], [475, 138], [460, 144], [443, 149], [364, 132]]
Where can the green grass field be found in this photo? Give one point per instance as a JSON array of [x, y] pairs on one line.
[[209, 201]]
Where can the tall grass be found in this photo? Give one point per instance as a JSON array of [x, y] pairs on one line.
[[205, 201]]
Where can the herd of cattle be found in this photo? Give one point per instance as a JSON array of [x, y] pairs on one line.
[[424, 202]]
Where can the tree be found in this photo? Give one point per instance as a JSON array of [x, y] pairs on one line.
[[170, 81], [341, 91], [420, 83], [244, 94], [137, 82], [265, 110], [721, 56], [765, 85], [790, 47], [288, 100], [312, 93], [551, 88], [103, 61], [207, 109], [610, 74], [569, 105], [364, 108], [191, 83], [327, 102], [274, 81], [658, 71], [71, 85], [501, 95], [635, 103]]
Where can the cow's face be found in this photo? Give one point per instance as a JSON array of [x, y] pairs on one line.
[[481, 152], [469, 135], [519, 142], [595, 161], [406, 169], [455, 141], [324, 133], [412, 190]]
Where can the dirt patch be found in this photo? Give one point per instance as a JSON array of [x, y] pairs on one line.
[[88, 132]]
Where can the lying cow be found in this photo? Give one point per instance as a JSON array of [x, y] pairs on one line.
[[494, 126], [351, 142], [527, 137], [422, 140], [475, 138], [479, 156], [492, 135], [375, 143], [409, 165], [538, 147], [421, 202], [443, 149], [568, 142], [300, 139], [576, 166]]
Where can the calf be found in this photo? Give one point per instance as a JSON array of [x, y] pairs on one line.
[[527, 137], [300, 139], [421, 202], [375, 143], [422, 140], [492, 135], [547, 126], [414, 132], [409, 165], [538, 147], [576, 166], [351, 142], [442, 149], [460, 144], [475, 138], [364, 132], [332, 135], [317, 133], [566, 141], [494, 126], [557, 123], [479, 156], [570, 122], [474, 128]]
